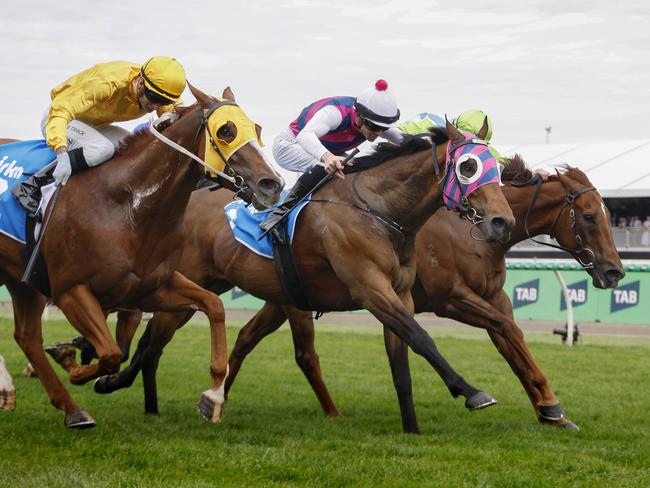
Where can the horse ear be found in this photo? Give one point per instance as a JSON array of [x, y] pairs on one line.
[[482, 134], [258, 129], [454, 134], [228, 94], [205, 100], [566, 182]]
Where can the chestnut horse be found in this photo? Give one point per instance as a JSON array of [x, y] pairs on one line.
[[463, 279], [347, 258], [113, 243]]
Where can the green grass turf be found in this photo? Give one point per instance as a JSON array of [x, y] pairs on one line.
[[274, 432]]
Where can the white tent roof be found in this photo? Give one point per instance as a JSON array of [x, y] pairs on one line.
[[617, 169]]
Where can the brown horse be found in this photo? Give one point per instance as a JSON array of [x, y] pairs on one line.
[[463, 279], [348, 259], [113, 241]]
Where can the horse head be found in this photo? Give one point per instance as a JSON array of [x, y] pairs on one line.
[[585, 229], [232, 143], [472, 184]]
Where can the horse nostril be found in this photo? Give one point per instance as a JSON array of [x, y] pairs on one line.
[[498, 224], [614, 274]]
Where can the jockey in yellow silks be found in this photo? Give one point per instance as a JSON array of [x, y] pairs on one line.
[[77, 124]]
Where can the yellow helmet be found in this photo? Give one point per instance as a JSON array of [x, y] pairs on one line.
[[164, 76]]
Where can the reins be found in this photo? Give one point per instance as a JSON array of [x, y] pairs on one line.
[[571, 197]]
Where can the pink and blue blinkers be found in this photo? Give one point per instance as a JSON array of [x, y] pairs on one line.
[[470, 165]]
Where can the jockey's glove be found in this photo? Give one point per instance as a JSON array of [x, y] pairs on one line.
[[165, 120], [63, 168]]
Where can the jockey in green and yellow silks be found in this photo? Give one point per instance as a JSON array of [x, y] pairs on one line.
[[470, 121]]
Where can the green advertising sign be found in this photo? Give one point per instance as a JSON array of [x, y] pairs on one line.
[[536, 293]]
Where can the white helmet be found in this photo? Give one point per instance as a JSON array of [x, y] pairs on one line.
[[378, 105]]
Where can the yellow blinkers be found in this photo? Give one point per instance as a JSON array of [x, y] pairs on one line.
[[219, 116]]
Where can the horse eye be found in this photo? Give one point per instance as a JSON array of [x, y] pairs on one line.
[[467, 167], [589, 218]]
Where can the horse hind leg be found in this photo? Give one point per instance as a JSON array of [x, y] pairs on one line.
[[83, 311], [28, 307], [7, 389]]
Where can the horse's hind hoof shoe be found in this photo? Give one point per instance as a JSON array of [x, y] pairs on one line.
[[62, 352], [210, 409], [479, 401], [79, 419], [8, 400]]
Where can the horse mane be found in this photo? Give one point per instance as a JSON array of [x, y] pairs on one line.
[[134, 142], [516, 171], [410, 144]]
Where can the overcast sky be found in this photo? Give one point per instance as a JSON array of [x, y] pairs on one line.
[[582, 67]]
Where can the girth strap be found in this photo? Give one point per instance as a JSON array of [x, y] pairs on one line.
[[285, 265]]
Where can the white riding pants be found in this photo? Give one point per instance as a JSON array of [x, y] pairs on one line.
[[98, 142], [290, 155]]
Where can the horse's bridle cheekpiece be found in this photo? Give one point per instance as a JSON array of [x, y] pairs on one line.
[[219, 151], [571, 196]]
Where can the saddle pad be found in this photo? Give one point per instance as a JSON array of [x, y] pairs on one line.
[[19, 161], [245, 220]]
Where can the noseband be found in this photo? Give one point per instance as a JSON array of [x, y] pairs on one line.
[[581, 250]]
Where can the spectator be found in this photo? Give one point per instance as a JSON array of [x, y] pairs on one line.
[[645, 238]]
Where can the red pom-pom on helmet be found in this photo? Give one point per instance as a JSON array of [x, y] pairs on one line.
[[381, 85]]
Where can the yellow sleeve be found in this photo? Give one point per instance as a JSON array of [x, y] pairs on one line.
[[67, 105]]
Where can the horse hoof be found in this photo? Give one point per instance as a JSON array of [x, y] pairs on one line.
[[211, 406], [101, 385], [29, 371], [479, 401], [63, 353], [568, 425], [8, 400], [79, 419]]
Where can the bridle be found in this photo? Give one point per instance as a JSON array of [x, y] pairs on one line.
[[241, 188], [571, 196], [233, 177]]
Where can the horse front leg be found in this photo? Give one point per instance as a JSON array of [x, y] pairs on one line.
[[181, 294], [302, 331], [397, 352], [373, 291], [267, 320], [28, 308], [497, 318]]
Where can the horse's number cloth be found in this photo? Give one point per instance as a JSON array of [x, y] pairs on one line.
[[19, 161], [245, 222]]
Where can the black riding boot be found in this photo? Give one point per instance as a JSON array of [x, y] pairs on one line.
[[302, 187], [28, 193]]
